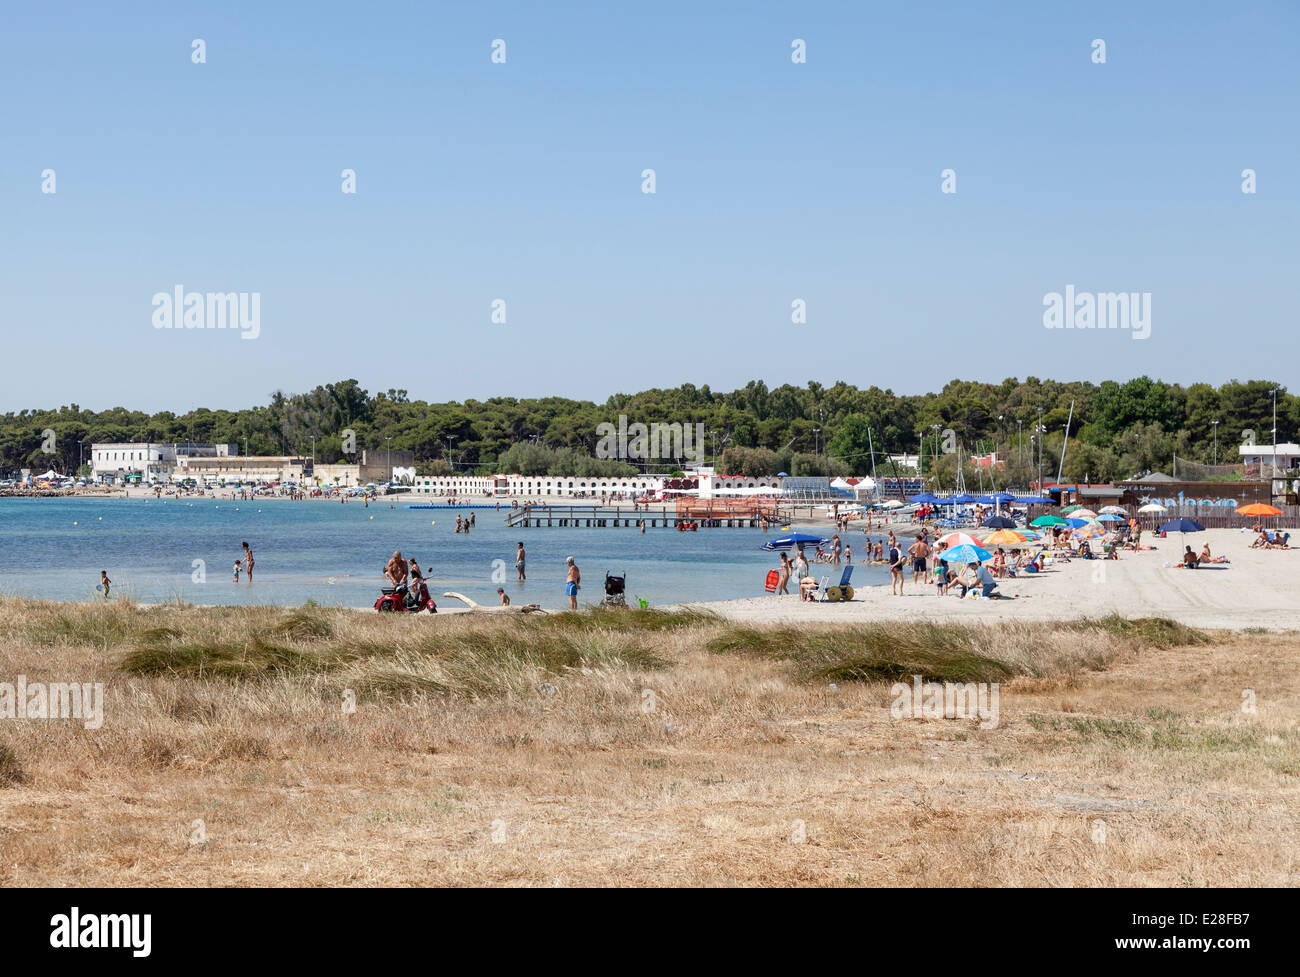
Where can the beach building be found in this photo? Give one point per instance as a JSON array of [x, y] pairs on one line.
[[1281, 461], [371, 468], [242, 468], [150, 461], [1171, 492], [712, 486], [504, 486]]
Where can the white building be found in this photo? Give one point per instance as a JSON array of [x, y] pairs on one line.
[[739, 486], [1284, 456], [152, 461], [505, 486]]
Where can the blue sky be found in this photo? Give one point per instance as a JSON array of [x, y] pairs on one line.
[[522, 181]]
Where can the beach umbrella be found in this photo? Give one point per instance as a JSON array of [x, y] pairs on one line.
[[1070, 509], [1049, 521], [998, 522], [1006, 537], [1109, 517], [782, 475], [1084, 514], [1259, 509], [1114, 510], [922, 497], [891, 504], [1182, 526], [958, 539], [1034, 500], [1152, 507], [1089, 531], [966, 553], [961, 499], [984, 499], [1078, 523], [794, 539]]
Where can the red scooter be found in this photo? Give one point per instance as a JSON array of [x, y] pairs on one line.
[[395, 599]]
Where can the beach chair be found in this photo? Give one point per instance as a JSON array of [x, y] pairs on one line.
[[841, 590]]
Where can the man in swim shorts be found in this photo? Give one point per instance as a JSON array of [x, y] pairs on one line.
[[572, 583], [919, 551]]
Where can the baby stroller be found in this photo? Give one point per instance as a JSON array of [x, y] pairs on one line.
[[614, 590]]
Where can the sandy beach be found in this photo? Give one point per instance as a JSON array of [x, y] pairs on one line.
[[1257, 589]]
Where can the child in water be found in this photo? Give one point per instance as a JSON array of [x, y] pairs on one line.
[[238, 564]]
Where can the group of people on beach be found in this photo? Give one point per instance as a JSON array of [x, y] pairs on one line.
[[406, 572], [945, 575]]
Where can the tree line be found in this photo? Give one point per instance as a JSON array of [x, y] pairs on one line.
[[1117, 430]]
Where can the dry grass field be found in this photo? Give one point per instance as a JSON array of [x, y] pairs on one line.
[[641, 748]]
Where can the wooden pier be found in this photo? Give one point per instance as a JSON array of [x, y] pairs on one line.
[[653, 517]]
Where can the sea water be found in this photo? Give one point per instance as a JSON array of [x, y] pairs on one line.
[[159, 550]]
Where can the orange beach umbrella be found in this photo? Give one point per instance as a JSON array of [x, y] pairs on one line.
[[1259, 509]]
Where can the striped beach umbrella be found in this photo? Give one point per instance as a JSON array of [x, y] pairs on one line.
[[966, 554], [958, 539], [1005, 537]]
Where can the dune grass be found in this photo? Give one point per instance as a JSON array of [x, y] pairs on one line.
[[322, 746], [498, 655]]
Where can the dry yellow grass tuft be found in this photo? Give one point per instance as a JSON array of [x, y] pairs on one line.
[[268, 746]]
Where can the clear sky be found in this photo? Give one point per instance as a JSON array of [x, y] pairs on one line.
[[521, 181]]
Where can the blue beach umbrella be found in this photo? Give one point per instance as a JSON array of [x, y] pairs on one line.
[[1078, 523], [999, 522], [1182, 526], [922, 497], [960, 499], [966, 554], [1109, 517]]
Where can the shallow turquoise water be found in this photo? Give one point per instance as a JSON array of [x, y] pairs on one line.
[[334, 553]]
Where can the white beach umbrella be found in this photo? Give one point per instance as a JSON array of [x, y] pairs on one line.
[[1152, 507]]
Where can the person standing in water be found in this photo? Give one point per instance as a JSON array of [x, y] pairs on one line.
[[248, 561], [104, 582], [519, 561]]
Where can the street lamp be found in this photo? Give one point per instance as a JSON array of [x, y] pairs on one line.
[[1020, 444], [1215, 425], [389, 445], [1274, 471], [1041, 432]]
